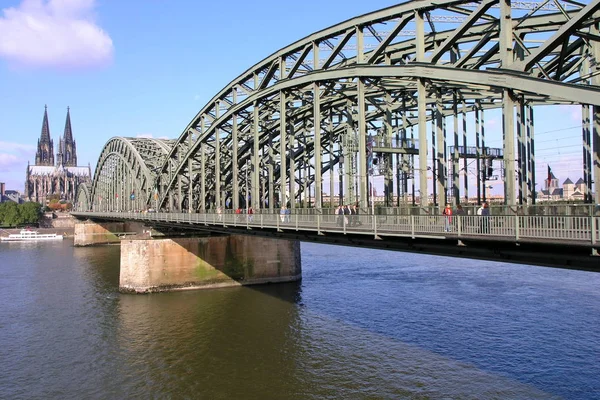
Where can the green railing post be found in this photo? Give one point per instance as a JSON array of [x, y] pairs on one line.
[[318, 224], [593, 227], [375, 225]]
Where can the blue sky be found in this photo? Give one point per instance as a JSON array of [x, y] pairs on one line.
[[131, 68]]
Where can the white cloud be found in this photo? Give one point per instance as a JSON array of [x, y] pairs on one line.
[[572, 111], [25, 149], [149, 136], [14, 156], [54, 33], [493, 122], [8, 162]]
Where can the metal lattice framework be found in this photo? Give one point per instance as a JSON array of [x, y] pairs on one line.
[[365, 93], [125, 175], [84, 199]]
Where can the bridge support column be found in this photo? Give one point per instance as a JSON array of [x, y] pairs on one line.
[[207, 262], [89, 233]]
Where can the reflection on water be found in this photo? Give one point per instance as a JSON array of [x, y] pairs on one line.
[[361, 324]]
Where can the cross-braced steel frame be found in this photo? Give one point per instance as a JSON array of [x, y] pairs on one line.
[[378, 88], [125, 175]]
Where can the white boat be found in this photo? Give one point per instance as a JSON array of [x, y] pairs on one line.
[[30, 236]]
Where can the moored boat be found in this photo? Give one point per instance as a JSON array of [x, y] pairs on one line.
[[30, 236]]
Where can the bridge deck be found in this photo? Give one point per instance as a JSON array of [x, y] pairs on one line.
[[572, 230], [559, 241]]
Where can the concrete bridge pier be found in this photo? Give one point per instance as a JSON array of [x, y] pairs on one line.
[[90, 233], [154, 265]]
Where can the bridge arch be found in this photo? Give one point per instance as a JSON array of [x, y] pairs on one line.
[[83, 198], [125, 175], [373, 96]]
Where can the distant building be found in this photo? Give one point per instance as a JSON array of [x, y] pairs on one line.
[[48, 177], [9, 195], [569, 190]]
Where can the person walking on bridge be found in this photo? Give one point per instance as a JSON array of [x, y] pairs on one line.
[[485, 215], [340, 216], [355, 219], [447, 218], [282, 214], [346, 212]]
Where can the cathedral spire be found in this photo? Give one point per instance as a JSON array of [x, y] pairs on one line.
[[69, 148], [45, 148], [45, 138], [68, 131]]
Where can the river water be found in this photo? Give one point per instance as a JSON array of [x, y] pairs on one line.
[[362, 324]]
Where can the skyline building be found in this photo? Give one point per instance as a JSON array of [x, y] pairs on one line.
[[52, 175]]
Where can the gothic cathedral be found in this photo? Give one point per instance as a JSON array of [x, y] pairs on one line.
[[62, 177]]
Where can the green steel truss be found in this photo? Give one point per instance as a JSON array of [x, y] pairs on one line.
[[125, 175], [315, 112]]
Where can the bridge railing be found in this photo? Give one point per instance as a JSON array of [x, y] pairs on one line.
[[565, 229], [542, 209], [471, 209]]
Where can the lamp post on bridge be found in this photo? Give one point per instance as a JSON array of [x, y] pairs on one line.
[[247, 186], [341, 173], [371, 173]]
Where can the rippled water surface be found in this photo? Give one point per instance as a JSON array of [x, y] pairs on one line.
[[363, 324]]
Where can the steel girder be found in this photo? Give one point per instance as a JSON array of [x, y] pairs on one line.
[[272, 134], [83, 199], [125, 175]]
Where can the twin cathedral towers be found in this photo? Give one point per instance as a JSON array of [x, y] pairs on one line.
[[67, 149], [58, 175]]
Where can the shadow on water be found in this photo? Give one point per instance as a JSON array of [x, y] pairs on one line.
[[290, 292], [256, 343], [532, 324], [101, 266], [350, 329], [221, 343]]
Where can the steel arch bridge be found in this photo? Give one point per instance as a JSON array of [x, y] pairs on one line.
[[372, 96], [125, 173]]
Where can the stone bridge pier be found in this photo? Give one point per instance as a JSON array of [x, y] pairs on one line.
[[91, 233], [155, 264]]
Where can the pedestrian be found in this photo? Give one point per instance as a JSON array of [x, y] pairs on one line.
[[355, 221], [282, 214], [485, 218], [339, 216], [250, 214], [447, 217], [459, 210]]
